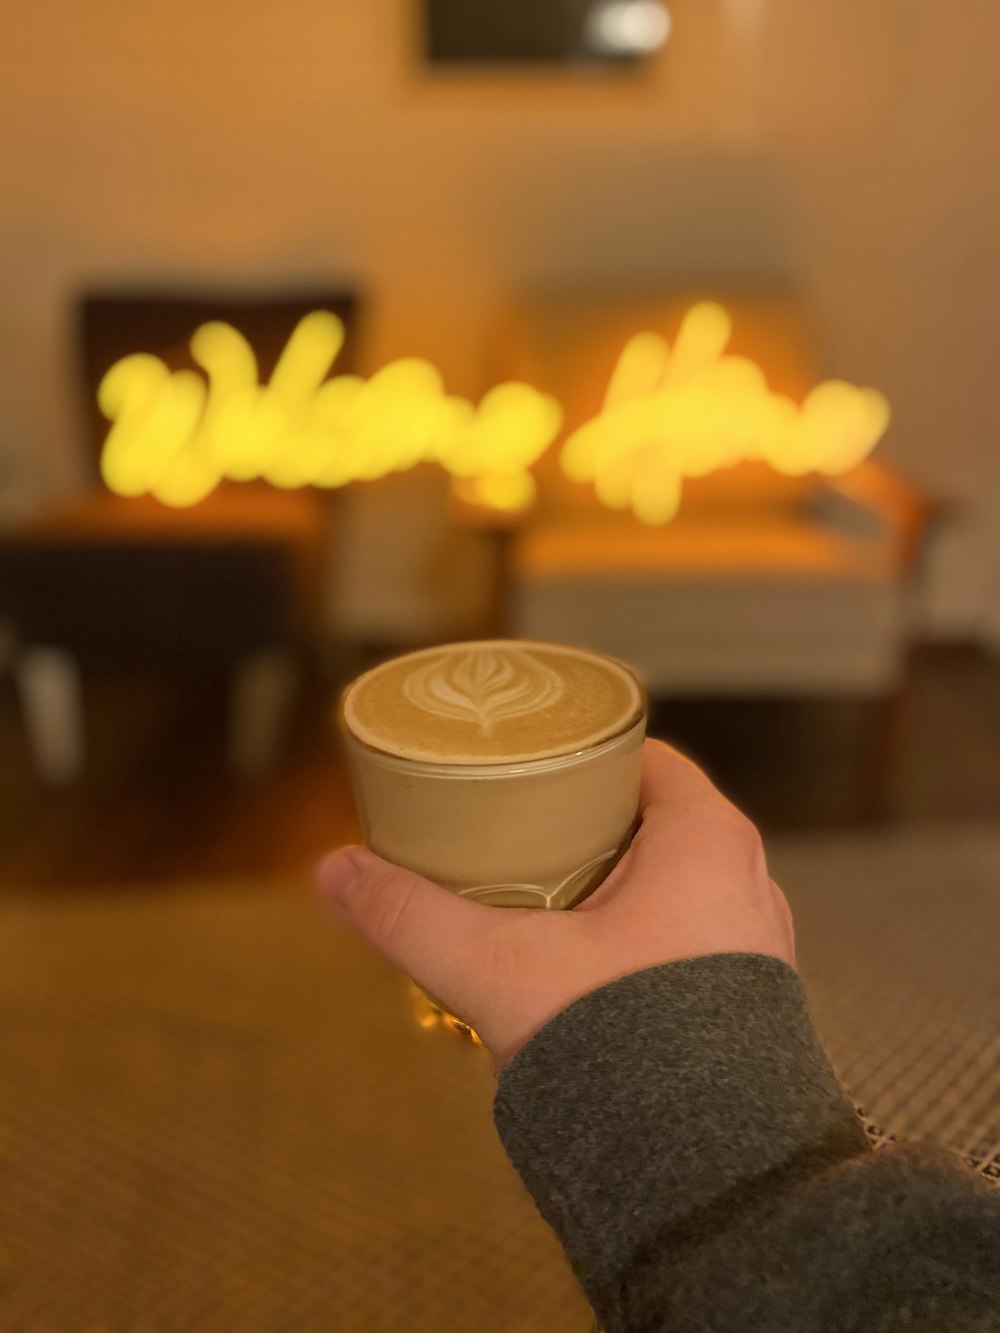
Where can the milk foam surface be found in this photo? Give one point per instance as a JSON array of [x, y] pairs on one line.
[[494, 701]]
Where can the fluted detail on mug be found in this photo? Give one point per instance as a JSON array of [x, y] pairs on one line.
[[572, 890]]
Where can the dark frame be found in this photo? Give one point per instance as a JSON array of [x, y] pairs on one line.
[[494, 34]]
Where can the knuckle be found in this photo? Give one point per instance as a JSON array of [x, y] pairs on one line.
[[500, 950], [739, 828], [390, 896], [518, 950], [786, 912], [745, 842], [496, 964]]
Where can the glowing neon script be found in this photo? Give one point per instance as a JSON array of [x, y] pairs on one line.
[[671, 413], [176, 437]]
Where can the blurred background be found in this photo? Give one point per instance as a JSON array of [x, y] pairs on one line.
[[199, 1067]]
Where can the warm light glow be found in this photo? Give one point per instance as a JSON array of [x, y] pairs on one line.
[[513, 493], [628, 27], [431, 1015], [671, 413], [668, 413], [176, 437]]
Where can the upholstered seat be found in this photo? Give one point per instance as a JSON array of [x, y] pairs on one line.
[[763, 584], [776, 604]]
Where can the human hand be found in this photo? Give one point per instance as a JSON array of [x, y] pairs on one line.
[[693, 882]]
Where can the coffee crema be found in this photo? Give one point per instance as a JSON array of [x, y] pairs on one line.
[[494, 701]]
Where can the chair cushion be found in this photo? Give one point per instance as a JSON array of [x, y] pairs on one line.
[[132, 581], [735, 606]]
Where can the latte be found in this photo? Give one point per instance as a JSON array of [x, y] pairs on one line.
[[492, 702], [507, 771]]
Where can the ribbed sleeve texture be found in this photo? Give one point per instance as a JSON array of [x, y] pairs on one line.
[[682, 1131]]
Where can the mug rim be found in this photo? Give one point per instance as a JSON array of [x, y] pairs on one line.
[[496, 767], [510, 769]]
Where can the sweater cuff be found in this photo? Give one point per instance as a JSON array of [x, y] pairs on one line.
[[635, 1110]]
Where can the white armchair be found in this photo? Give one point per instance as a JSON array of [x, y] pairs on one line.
[[813, 598], [763, 584]]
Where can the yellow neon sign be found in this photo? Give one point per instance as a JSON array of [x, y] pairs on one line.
[[669, 413], [177, 435], [685, 411]]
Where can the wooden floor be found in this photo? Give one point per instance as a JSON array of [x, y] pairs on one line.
[[157, 803]]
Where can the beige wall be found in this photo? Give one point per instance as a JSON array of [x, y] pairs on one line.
[[850, 142]]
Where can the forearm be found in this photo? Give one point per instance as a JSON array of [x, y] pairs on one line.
[[683, 1133]]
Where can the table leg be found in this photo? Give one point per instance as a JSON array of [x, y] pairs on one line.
[[49, 687], [261, 696]]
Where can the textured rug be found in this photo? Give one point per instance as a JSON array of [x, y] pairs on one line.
[[898, 946], [218, 1112]]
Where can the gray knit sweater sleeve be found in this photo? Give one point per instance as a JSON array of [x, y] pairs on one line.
[[682, 1131]]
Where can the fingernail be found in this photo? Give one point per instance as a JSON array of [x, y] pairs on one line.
[[338, 873]]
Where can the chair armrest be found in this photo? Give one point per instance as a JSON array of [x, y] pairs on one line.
[[885, 504]]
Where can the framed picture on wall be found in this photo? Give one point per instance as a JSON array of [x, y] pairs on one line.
[[542, 33]]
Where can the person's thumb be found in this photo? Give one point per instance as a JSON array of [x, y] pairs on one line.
[[423, 928]]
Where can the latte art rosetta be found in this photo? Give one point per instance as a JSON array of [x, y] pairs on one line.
[[491, 701], [484, 687]]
